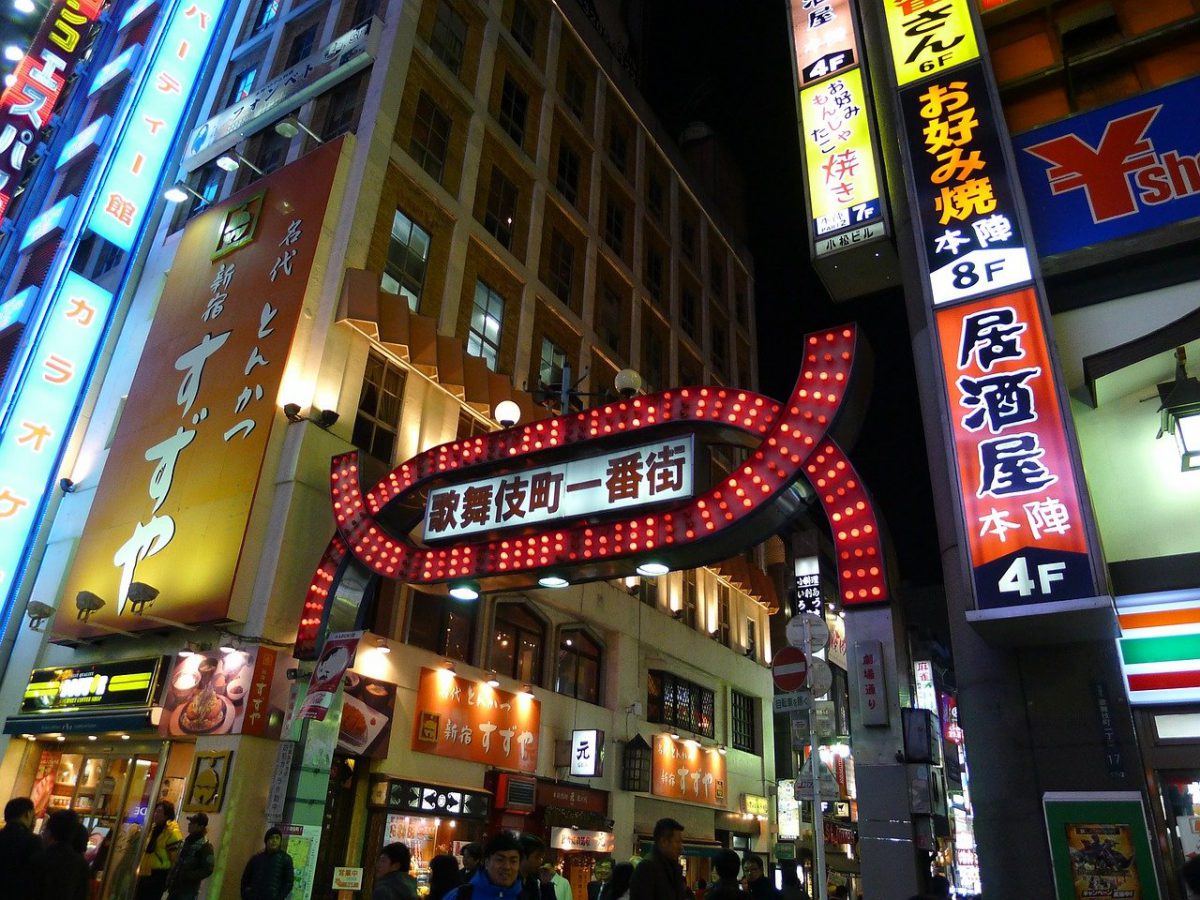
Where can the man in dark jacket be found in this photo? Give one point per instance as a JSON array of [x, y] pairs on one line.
[[194, 862], [659, 876], [758, 885], [499, 876], [726, 887], [269, 875], [392, 881], [20, 848], [62, 872]]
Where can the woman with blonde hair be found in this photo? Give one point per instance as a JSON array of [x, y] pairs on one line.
[[162, 845]]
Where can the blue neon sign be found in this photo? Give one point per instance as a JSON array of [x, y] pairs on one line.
[[40, 420], [126, 194]]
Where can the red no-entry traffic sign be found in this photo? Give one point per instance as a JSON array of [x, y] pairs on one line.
[[789, 668]]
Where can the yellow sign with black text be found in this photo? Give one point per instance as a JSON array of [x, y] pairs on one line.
[[929, 36]]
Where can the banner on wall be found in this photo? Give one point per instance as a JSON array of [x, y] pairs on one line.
[[683, 770]]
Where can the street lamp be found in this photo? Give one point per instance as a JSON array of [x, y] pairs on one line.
[[1179, 413], [564, 394]]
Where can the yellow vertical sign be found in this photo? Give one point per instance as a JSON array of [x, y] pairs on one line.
[[929, 36]]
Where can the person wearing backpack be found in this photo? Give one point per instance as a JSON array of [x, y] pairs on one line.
[[498, 877]]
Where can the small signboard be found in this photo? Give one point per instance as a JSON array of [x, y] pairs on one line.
[[797, 701], [872, 694], [347, 878], [818, 631]]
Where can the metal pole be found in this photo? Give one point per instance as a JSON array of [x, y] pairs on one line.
[[813, 760]]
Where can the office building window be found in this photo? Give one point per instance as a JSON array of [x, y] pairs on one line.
[[648, 590], [618, 148], [723, 613], [487, 320], [518, 639], [579, 670], [449, 38], [719, 348], [687, 240], [675, 701], [611, 323], [501, 212], [561, 266], [743, 717], [551, 363], [243, 83], [654, 273], [272, 151], [751, 637], [614, 226], [689, 311], [716, 277], [574, 91], [378, 416], [655, 196], [302, 45], [430, 136], [267, 13], [566, 178], [343, 106], [442, 625], [689, 604], [654, 357], [524, 26], [408, 252], [514, 106]]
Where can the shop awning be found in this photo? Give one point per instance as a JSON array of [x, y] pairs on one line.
[[80, 723]]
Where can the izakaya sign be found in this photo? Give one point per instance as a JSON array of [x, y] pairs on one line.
[[637, 476], [683, 770], [1115, 171], [929, 36], [171, 510], [694, 527]]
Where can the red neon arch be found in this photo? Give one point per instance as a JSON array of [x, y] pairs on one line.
[[794, 443]]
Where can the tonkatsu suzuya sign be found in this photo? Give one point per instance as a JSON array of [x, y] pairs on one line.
[[630, 476]]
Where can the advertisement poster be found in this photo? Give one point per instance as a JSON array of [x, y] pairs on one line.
[[367, 713], [224, 693], [1100, 846], [336, 657]]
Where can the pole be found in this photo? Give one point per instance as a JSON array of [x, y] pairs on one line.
[[813, 758]]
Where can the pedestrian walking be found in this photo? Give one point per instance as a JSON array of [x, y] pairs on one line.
[[392, 881], [659, 876], [194, 863], [269, 873], [161, 848], [726, 887], [496, 878], [444, 875], [61, 872], [20, 848]]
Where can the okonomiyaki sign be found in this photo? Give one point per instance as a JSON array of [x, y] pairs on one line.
[[633, 476]]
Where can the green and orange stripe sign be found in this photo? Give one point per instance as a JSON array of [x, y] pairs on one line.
[[1160, 651]]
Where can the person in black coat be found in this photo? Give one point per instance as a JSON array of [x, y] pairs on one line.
[[62, 873], [726, 887], [597, 890], [658, 876], [20, 848]]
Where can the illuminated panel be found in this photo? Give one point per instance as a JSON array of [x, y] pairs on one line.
[[791, 437], [824, 37], [964, 198], [1019, 500], [40, 418], [127, 192], [929, 36], [88, 137], [619, 479], [12, 309], [842, 175], [1160, 652], [119, 67], [28, 103], [52, 220], [683, 770]]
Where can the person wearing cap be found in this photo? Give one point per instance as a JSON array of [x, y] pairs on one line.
[[194, 863], [498, 878], [659, 877], [269, 875]]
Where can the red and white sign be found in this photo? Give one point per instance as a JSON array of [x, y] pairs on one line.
[[789, 668], [336, 657]]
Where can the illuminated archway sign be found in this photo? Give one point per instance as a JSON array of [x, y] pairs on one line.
[[787, 443]]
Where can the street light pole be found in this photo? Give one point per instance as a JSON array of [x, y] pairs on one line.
[[817, 812]]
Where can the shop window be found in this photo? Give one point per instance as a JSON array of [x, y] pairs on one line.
[[408, 252], [378, 416], [267, 13], [501, 212], [517, 641], [449, 37], [579, 666], [743, 711], [566, 177], [470, 425], [430, 137], [243, 83], [614, 226], [514, 107], [487, 321], [675, 701], [524, 26], [562, 266], [302, 45], [442, 625], [574, 91]]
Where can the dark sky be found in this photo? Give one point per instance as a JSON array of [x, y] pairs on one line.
[[727, 63]]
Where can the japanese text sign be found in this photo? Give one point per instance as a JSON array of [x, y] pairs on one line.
[[755, 805], [872, 690], [929, 36], [1114, 171], [587, 752], [842, 177], [41, 415], [337, 655], [1020, 502], [628, 477], [38, 81], [463, 719], [683, 770], [126, 194], [175, 497], [964, 198], [823, 37]]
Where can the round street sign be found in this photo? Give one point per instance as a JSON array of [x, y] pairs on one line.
[[818, 631], [820, 678], [789, 669]]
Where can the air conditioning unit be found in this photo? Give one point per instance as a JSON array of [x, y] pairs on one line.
[[515, 793]]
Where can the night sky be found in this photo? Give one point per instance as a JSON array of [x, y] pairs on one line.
[[727, 63]]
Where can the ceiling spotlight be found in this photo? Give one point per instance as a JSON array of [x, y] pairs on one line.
[[292, 411], [465, 590], [507, 413], [139, 595], [653, 569], [228, 163], [38, 613], [493, 680], [66, 485], [382, 646], [721, 749], [526, 690], [553, 581], [180, 191], [326, 419], [87, 603], [673, 735], [448, 665]]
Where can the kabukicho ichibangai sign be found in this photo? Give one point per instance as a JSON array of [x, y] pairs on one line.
[[164, 535], [637, 448]]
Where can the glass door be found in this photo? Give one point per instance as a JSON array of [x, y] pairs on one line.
[[115, 864]]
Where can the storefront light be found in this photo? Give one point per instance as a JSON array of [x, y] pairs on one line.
[[493, 681], [465, 590], [91, 737], [653, 569], [553, 581], [1179, 413], [61, 737]]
